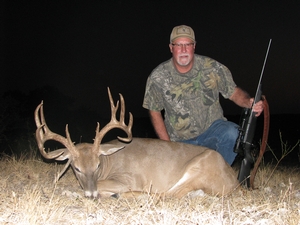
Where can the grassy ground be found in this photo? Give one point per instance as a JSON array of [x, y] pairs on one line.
[[28, 196]]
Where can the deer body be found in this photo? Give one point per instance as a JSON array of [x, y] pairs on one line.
[[172, 168]]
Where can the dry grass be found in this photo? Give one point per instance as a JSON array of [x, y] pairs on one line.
[[28, 196]]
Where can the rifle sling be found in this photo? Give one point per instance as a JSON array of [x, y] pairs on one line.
[[264, 140]]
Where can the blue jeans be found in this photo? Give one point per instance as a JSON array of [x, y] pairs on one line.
[[220, 136]]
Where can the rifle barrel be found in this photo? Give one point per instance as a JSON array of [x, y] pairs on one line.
[[262, 72]]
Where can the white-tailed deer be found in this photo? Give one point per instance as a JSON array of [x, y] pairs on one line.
[[137, 165]]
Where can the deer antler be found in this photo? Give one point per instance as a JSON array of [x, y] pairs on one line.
[[114, 123], [43, 134]]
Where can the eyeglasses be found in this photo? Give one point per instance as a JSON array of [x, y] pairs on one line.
[[180, 45]]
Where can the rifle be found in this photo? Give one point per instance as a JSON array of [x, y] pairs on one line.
[[244, 141]]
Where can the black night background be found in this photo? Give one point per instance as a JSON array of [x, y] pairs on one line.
[[68, 52]]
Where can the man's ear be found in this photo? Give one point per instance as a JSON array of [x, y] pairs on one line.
[[171, 49]]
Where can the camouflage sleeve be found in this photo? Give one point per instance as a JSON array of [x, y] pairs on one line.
[[226, 83], [153, 96]]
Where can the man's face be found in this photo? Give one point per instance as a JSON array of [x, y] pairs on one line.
[[183, 51]]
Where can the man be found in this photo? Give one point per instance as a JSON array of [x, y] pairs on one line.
[[186, 88]]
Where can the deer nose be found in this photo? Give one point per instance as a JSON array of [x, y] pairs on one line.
[[90, 194]]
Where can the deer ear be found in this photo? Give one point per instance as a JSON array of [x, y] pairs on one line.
[[55, 154], [108, 149], [65, 154]]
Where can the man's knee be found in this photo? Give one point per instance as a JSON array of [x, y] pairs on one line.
[[233, 133], [229, 131]]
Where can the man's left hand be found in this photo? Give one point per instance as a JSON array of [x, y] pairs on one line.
[[258, 107]]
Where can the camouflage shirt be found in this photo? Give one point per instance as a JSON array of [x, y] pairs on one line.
[[190, 100]]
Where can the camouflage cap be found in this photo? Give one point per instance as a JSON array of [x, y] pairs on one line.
[[182, 31]]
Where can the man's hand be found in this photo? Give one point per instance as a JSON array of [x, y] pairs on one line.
[[258, 107]]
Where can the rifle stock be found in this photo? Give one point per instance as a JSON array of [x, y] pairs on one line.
[[246, 133]]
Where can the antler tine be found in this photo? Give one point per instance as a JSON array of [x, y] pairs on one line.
[[113, 107], [59, 174], [119, 124], [43, 134], [114, 123], [122, 121]]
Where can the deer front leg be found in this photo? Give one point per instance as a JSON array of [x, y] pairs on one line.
[[111, 188]]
